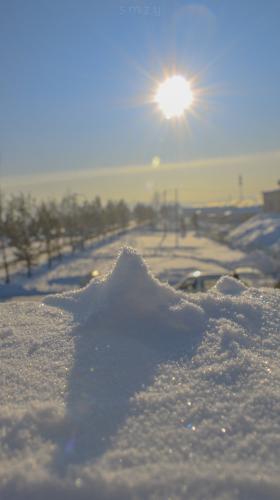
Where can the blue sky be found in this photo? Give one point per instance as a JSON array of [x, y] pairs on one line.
[[75, 77]]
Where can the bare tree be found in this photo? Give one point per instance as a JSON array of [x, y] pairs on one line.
[[32, 229], [21, 229], [144, 213], [70, 219], [123, 214], [4, 242], [47, 224]]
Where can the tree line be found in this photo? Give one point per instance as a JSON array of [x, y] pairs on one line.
[[30, 229]]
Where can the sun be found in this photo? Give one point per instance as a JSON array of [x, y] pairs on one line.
[[174, 96]]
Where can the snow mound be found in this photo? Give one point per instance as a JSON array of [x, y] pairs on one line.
[[261, 231], [229, 286], [130, 293], [258, 259], [104, 396]]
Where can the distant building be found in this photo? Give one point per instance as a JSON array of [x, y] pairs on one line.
[[271, 201]]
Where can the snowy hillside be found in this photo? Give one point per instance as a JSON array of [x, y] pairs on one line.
[[261, 232], [128, 389]]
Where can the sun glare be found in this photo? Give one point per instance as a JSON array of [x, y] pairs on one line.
[[174, 96]]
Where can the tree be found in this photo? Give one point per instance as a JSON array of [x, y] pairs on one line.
[[47, 224], [97, 217], [70, 219], [21, 228], [110, 215], [4, 242], [123, 214], [144, 213]]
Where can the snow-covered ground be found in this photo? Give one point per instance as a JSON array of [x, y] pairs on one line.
[[170, 259], [259, 232], [128, 389]]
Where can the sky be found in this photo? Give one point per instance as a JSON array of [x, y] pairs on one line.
[[77, 80]]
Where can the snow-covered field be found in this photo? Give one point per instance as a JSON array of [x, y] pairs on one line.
[[128, 389]]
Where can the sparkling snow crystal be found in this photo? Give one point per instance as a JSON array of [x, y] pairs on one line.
[[128, 389]]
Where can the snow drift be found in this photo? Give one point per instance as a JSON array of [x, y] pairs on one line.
[[130, 297], [259, 232], [128, 389], [259, 236]]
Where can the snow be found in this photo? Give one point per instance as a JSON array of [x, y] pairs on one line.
[[261, 231], [261, 260], [128, 389], [144, 297], [229, 286], [259, 238], [168, 259]]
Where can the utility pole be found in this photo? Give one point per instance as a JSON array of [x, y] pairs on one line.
[[156, 206], [164, 214], [240, 186], [164, 217], [156, 200], [176, 218]]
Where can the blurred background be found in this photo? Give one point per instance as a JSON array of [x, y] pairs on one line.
[[87, 149]]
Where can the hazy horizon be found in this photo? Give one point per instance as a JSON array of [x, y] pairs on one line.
[[198, 182]]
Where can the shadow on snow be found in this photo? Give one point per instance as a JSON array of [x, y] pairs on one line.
[[109, 369]]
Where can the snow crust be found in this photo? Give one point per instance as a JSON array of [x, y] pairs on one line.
[[129, 389]]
